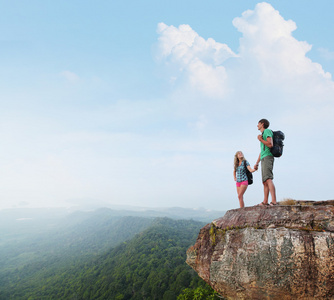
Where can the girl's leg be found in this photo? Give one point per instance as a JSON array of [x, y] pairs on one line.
[[238, 193], [238, 190], [242, 189]]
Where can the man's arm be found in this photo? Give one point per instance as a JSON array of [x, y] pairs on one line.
[[268, 142], [257, 162]]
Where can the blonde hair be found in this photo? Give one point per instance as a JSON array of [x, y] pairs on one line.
[[236, 160]]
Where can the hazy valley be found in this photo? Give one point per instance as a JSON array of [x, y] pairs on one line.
[[100, 254]]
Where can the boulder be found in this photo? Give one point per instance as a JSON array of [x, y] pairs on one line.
[[272, 252]]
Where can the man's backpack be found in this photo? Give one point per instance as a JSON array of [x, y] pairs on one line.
[[278, 138]]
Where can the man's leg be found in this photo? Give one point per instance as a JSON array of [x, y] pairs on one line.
[[267, 165], [266, 192], [272, 190]]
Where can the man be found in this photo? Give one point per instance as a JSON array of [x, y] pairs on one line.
[[267, 162]]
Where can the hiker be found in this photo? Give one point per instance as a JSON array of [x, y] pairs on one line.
[[240, 176], [267, 162]]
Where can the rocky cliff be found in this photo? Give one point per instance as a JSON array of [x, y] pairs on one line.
[[272, 252]]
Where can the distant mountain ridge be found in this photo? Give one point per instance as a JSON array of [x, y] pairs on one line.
[[11, 217]]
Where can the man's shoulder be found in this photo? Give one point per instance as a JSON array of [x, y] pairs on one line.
[[268, 132]]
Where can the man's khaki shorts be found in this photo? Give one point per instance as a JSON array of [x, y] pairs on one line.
[[267, 166]]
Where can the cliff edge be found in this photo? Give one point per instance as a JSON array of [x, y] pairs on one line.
[[272, 252]]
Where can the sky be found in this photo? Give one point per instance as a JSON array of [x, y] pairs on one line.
[[145, 103]]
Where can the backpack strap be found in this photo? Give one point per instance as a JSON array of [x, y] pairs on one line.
[[264, 146]]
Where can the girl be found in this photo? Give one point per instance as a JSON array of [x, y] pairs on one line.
[[239, 174]]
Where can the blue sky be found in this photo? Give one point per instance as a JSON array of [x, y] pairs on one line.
[[145, 103]]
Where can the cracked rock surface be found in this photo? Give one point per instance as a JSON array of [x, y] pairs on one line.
[[272, 252]]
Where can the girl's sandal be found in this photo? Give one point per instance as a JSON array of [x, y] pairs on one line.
[[273, 204], [262, 204]]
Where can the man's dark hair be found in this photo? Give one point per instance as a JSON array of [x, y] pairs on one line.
[[265, 123]]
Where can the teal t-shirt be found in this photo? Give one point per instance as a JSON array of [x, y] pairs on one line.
[[265, 151]]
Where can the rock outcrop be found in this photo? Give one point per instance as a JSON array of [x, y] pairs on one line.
[[272, 252]]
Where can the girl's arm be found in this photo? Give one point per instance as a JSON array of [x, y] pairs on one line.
[[234, 175], [250, 169]]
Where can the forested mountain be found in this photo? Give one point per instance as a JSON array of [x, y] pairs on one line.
[[74, 237], [29, 234], [149, 266]]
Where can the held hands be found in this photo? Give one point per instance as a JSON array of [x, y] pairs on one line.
[[251, 170], [259, 137]]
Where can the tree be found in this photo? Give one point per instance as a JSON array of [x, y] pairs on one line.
[[200, 293]]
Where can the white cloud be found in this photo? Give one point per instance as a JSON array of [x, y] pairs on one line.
[[270, 68], [200, 123], [184, 44], [198, 59], [268, 41], [70, 76], [326, 54]]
